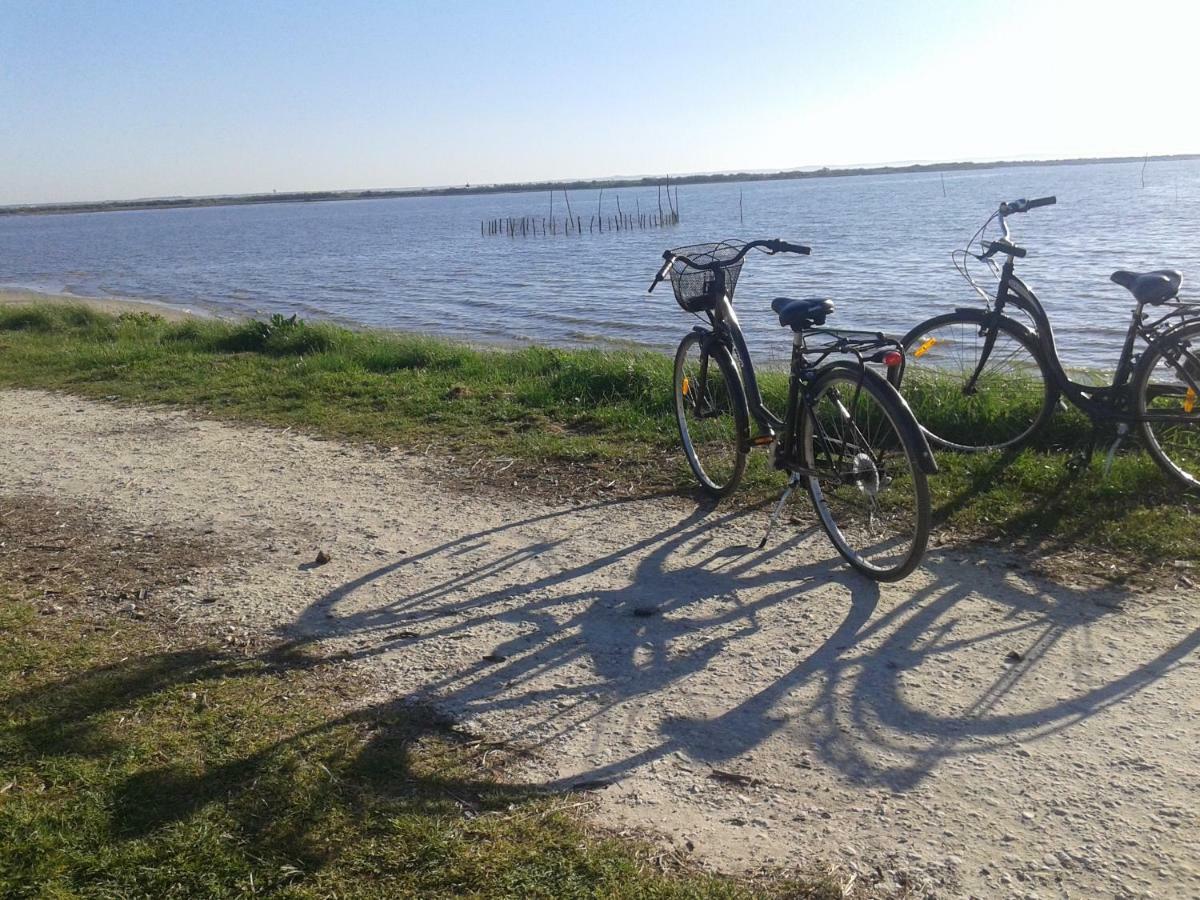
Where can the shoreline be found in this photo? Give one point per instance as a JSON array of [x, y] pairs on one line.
[[45, 209], [177, 312], [12, 296]]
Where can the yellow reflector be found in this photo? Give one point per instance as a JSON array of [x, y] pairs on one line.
[[1189, 400], [685, 385], [924, 348]]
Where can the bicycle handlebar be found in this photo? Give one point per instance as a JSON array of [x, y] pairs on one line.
[[774, 245], [1023, 205]]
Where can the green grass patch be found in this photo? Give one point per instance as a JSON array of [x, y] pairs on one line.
[[136, 766], [607, 414]]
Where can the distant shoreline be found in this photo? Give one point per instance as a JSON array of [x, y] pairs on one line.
[[532, 187]]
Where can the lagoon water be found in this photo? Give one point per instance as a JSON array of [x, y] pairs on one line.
[[881, 251]]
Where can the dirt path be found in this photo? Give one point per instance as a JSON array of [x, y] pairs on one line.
[[972, 728]]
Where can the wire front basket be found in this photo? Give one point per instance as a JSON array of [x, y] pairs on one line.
[[699, 289]]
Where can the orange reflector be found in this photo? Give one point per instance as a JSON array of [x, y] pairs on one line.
[[892, 358], [685, 385], [924, 348], [1189, 400]]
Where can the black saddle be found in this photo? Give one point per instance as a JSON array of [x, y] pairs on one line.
[[1150, 287], [800, 314]]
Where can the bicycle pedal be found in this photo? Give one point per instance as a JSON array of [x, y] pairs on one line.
[[762, 440]]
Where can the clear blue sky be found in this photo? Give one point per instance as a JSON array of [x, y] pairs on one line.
[[105, 100]]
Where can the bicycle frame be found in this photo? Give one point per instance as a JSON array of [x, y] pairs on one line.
[[801, 373], [1104, 402], [727, 330]]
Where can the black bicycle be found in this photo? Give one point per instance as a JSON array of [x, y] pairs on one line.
[[982, 380], [847, 435]]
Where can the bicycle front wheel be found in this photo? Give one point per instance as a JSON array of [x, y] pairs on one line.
[[1166, 396], [710, 407], [869, 490], [1011, 398]]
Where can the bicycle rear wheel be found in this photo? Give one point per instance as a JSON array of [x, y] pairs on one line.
[[870, 493], [710, 408], [1165, 385], [1010, 400]]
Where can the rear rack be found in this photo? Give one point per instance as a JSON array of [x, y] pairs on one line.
[[849, 341]]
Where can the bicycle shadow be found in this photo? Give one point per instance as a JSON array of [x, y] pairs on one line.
[[683, 640]]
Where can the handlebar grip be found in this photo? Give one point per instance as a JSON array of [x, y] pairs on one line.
[[1005, 247], [662, 273], [786, 247], [1023, 205]]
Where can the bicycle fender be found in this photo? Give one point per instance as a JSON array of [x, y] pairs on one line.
[[1171, 335], [906, 421]]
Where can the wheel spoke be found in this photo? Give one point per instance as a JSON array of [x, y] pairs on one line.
[[1007, 402]]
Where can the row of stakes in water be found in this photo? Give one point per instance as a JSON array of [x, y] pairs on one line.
[[532, 226]]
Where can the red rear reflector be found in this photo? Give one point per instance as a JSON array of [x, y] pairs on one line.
[[892, 358]]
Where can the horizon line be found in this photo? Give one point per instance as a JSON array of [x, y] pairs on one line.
[[598, 182]]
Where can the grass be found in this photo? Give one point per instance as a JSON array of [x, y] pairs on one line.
[[136, 761], [567, 420]]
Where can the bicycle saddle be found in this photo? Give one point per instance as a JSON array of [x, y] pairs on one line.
[[800, 314], [1158, 286]]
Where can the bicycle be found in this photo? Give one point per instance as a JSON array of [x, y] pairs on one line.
[[985, 381], [847, 435]]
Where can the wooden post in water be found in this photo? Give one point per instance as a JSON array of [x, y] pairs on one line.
[[741, 218]]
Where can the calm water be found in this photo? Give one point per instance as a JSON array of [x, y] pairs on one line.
[[881, 250]]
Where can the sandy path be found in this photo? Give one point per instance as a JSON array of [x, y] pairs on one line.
[[639, 642]]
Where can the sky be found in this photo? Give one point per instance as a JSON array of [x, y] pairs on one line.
[[128, 99]]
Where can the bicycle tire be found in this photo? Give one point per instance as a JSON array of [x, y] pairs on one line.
[[1175, 446], [1008, 406], [715, 452], [847, 498]]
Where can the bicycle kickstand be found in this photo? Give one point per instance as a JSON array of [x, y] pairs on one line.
[[1122, 430], [793, 480]]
